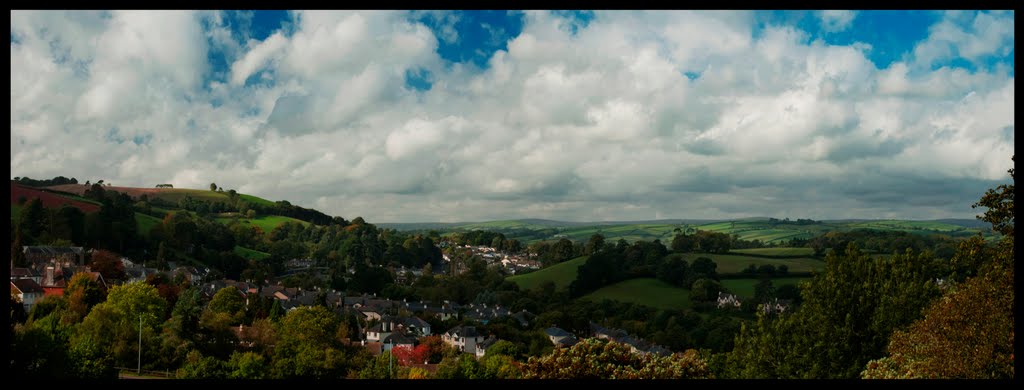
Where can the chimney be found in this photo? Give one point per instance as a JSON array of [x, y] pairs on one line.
[[49, 276]]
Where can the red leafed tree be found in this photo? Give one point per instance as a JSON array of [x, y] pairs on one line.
[[407, 355], [108, 264]]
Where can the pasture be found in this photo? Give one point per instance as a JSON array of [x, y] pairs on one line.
[[775, 252], [267, 223], [735, 263], [745, 287], [562, 274], [250, 254], [645, 291]]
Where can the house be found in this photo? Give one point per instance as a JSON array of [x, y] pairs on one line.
[[556, 335], [398, 339], [481, 348], [463, 338], [417, 326], [26, 273], [381, 330], [524, 317], [65, 256], [192, 274], [728, 301], [27, 291], [53, 281], [606, 333], [369, 313], [775, 306]]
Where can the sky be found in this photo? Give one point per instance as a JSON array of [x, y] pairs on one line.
[[438, 116]]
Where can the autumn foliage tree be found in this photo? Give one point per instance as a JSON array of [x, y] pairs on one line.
[[411, 355], [108, 264], [599, 359], [969, 333]]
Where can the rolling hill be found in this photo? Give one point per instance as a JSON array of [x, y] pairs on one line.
[[562, 274], [769, 231], [72, 194], [645, 291]]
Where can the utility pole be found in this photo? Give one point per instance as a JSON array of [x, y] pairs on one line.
[[140, 345]]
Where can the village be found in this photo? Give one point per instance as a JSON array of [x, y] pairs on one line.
[[384, 324]]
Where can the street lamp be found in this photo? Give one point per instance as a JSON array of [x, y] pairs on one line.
[[140, 345]]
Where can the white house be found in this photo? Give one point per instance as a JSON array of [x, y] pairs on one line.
[[27, 291], [728, 300], [464, 338]]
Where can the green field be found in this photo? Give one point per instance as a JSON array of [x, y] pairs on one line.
[[531, 231], [734, 263], [562, 274], [255, 200], [645, 291], [267, 222], [785, 252], [250, 254], [745, 287], [145, 223]]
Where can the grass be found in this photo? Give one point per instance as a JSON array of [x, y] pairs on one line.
[[250, 254], [145, 223], [735, 263], [255, 200], [562, 274], [745, 287], [533, 231], [775, 251], [267, 223], [645, 291]]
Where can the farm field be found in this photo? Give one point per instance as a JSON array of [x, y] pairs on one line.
[[267, 223], [645, 291], [49, 199], [785, 252], [734, 263], [145, 223], [745, 287], [562, 274], [532, 230], [250, 254]]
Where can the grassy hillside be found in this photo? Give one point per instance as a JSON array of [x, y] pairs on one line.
[[734, 263], [775, 252], [745, 287], [645, 291], [172, 195], [255, 200], [562, 274], [534, 230], [250, 254], [267, 223], [145, 223]]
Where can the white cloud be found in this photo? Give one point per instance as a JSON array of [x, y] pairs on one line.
[[598, 125], [836, 20], [959, 35]]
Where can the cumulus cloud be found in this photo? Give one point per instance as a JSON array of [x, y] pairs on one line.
[[603, 123], [836, 20]]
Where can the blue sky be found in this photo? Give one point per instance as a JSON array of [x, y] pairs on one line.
[[575, 115]]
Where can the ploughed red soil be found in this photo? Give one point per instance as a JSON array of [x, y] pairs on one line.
[[49, 199]]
